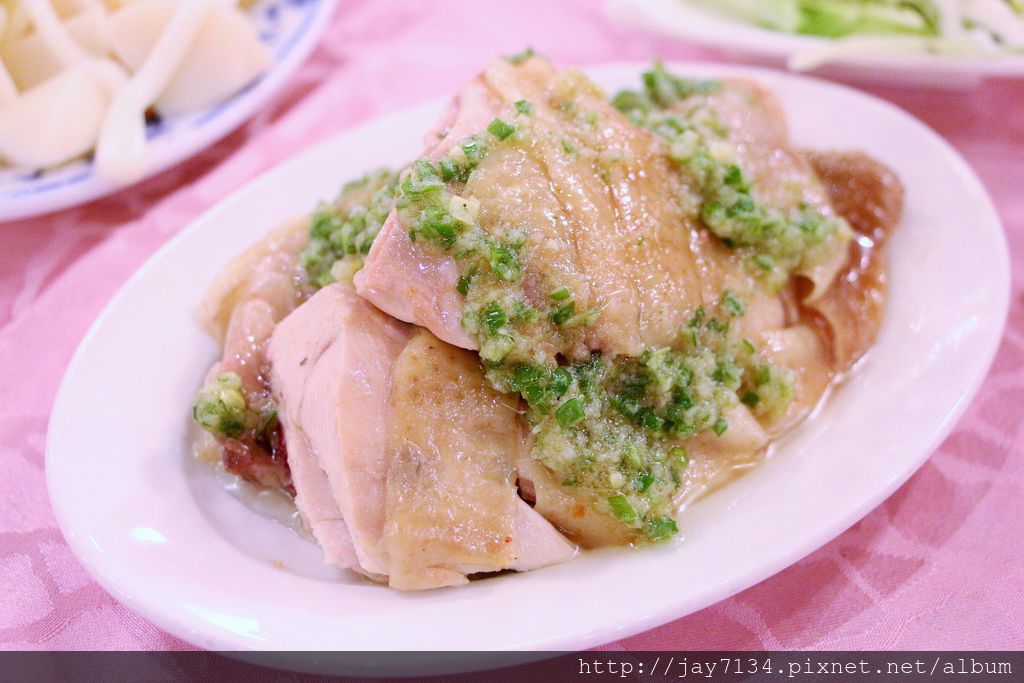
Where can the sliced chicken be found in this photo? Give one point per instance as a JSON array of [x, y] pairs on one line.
[[269, 270], [870, 196], [600, 202], [838, 326], [576, 511], [255, 455], [315, 501], [559, 197], [571, 509], [406, 455], [539, 544], [332, 361], [452, 505], [241, 308]]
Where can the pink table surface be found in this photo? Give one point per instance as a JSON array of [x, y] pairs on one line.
[[938, 565]]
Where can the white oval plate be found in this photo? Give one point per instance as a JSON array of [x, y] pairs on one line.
[[704, 26], [290, 28], [155, 529]]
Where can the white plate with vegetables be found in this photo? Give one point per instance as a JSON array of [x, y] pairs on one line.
[[220, 563], [97, 96], [936, 43]]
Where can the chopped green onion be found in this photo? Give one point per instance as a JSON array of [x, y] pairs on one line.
[[570, 412], [220, 408], [660, 528], [534, 395], [501, 129], [621, 508], [732, 304], [720, 426], [504, 261], [716, 325], [562, 315], [559, 382], [465, 281], [734, 178], [628, 100], [679, 453], [642, 481], [633, 457], [649, 419], [560, 294], [524, 107], [520, 57], [698, 317], [494, 317], [527, 375], [473, 150], [449, 171], [725, 372], [523, 313]]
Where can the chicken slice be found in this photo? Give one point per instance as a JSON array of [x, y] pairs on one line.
[[402, 456], [870, 196], [604, 210], [571, 509], [417, 285], [252, 454], [332, 362], [615, 238], [539, 543], [315, 500], [269, 270], [452, 505], [240, 309]]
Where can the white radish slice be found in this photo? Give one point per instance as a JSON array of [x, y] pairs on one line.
[[121, 150], [54, 122], [135, 28], [108, 73], [206, 76], [62, 45], [31, 61], [53, 33]]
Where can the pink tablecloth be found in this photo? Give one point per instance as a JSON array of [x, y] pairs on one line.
[[938, 565]]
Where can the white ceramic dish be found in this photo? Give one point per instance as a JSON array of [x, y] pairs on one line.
[[290, 28], [696, 24], [157, 531]]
